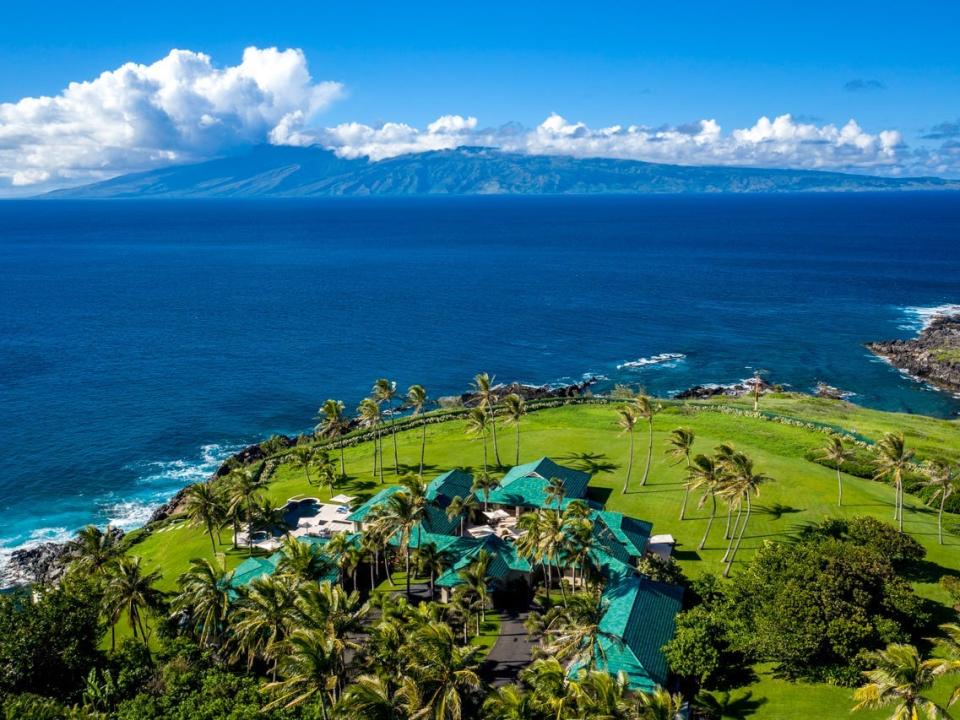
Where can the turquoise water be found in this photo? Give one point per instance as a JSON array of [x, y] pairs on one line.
[[141, 342]]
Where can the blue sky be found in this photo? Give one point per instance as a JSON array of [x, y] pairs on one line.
[[888, 66]]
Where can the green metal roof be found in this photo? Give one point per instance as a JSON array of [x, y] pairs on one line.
[[361, 512], [621, 534], [503, 560], [257, 567], [642, 613], [526, 485]]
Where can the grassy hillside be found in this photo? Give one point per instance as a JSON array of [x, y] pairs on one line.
[[586, 436]]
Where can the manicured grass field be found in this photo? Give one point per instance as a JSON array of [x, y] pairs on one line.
[[586, 437]]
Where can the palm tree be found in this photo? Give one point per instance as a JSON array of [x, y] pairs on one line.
[[681, 444], [302, 562], [402, 513], [129, 591], [431, 560], [572, 633], [445, 671], [556, 492], [327, 472], [837, 453], [900, 678], [473, 584], [483, 484], [893, 459], [659, 705], [261, 622], [477, 423], [515, 407], [384, 392], [942, 480], [203, 509], [371, 697], [627, 420], [509, 703], [548, 681], [242, 487], [744, 483], [417, 399], [307, 668], [205, 598], [333, 425], [462, 507], [302, 457], [370, 416], [483, 387], [93, 550], [706, 475], [646, 410]]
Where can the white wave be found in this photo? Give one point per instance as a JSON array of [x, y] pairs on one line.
[[129, 514], [918, 317], [667, 359]]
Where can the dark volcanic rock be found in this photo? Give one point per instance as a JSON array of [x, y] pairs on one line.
[[933, 356], [41, 564], [746, 387], [527, 392]]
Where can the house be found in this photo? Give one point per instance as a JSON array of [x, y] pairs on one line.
[[257, 567], [524, 487]]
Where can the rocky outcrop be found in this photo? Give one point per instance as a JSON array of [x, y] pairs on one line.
[[740, 389], [932, 357], [527, 392], [41, 564]]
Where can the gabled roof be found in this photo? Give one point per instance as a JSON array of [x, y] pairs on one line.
[[504, 559], [642, 613], [361, 512], [440, 493], [526, 485], [621, 534], [257, 567]]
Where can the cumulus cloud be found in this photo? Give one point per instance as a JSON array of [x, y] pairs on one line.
[[863, 85], [179, 108], [781, 142]]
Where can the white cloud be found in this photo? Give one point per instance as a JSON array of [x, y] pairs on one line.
[[177, 109]]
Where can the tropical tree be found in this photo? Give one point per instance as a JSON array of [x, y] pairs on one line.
[[483, 387], [462, 507], [680, 446], [659, 705], [417, 400], [370, 416], [402, 512], [744, 483], [515, 407], [646, 409], [892, 462], [445, 671], [602, 695], [556, 492], [627, 420], [333, 425], [373, 697], [431, 560], [473, 585], [301, 561], [307, 667], [92, 551], [483, 484], [204, 599], [706, 476], [509, 702], [478, 423], [572, 632], [131, 592], [327, 472], [302, 457], [384, 392], [942, 480], [900, 679], [242, 487], [204, 509], [262, 620], [838, 454]]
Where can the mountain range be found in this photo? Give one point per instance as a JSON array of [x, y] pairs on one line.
[[285, 171]]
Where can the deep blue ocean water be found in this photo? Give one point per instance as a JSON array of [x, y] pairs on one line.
[[140, 342]]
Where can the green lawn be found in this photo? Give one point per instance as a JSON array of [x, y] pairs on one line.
[[586, 436]]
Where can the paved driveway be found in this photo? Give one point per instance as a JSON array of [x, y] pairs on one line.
[[511, 653]]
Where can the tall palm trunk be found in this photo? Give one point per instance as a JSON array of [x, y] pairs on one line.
[[943, 499], [517, 462], [626, 482], [736, 548], [713, 513], [343, 466], [375, 450], [396, 457], [213, 544], [839, 487], [484, 453], [726, 529], [423, 446], [493, 427], [380, 442], [733, 534], [686, 494], [646, 470], [408, 568]]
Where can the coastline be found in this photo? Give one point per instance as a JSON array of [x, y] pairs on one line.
[[932, 357]]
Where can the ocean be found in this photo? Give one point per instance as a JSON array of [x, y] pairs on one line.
[[142, 342]]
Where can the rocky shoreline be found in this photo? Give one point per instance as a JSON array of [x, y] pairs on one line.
[[932, 357]]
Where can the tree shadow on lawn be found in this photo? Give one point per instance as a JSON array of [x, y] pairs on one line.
[[924, 571], [724, 704], [593, 463], [777, 511]]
